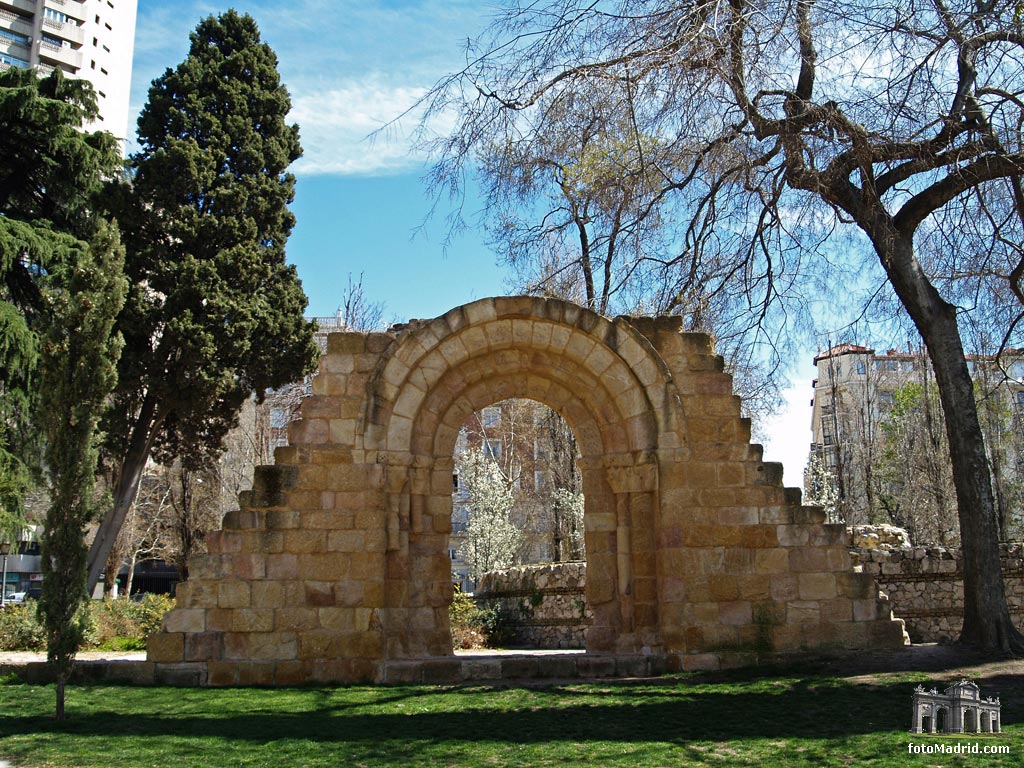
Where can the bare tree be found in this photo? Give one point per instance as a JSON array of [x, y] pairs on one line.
[[791, 120]]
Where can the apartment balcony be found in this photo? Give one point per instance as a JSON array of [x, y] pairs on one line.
[[64, 30], [60, 55], [73, 8], [25, 6], [15, 22], [17, 50]]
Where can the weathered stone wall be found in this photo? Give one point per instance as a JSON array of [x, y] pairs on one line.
[[541, 606], [925, 586], [335, 569]]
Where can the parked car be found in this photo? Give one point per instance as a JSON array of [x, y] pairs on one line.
[[14, 597]]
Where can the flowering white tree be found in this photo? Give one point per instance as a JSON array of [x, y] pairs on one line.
[[492, 540]]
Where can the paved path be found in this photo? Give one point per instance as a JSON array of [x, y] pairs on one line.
[[26, 657]]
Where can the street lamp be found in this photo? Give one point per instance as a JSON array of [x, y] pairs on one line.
[[5, 550]]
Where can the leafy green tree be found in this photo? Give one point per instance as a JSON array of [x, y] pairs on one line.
[[214, 313]]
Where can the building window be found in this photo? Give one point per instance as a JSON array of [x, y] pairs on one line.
[[886, 399], [12, 61], [540, 480], [540, 450], [861, 368], [59, 17], [1019, 398], [14, 37], [492, 449], [491, 416]]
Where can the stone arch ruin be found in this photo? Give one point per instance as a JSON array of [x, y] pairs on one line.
[[335, 569]]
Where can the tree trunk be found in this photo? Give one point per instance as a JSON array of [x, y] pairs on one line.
[[59, 709], [987, 622], [131, 574], [129, 478]]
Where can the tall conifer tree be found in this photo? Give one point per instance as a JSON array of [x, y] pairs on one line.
[[214, 313]]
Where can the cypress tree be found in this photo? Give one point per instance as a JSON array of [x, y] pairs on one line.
[[214, 313]]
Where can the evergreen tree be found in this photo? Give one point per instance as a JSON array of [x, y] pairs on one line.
[[214, 313], [48, 167], [79, 369], [62, 287]]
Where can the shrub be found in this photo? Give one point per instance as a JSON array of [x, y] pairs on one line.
[[468, 621], [20, 629], [112, 625]]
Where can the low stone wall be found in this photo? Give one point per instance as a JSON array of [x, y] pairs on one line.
[[926, 588], [542, 606]]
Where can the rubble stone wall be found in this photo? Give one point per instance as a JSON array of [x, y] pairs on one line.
[[541, 606], [925, 586]]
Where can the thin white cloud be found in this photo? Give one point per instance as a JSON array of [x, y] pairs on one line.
[[350, 66]]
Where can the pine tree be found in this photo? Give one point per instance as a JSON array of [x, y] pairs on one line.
[[215, 313]]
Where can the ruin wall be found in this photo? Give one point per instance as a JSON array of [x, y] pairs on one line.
[[925, 586]]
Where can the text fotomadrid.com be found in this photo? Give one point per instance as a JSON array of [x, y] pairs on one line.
[[958, 749]]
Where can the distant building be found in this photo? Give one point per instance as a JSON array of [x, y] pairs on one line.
[[536, 451], [960, 709], [854, 392], [89, 39]]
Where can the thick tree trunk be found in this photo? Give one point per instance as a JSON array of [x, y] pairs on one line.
[[987, 622], [129, 478]]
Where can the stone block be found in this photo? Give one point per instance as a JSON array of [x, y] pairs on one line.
[[817, 586], [288, 620], [700, 662], [803, 612], [191, 675], [735, 613], [185, 620], [785, 587], [856, 585], [252, 620], [771, 561], [166, 647], [203, 646], [255, 673], [234, 594], [808, 560]]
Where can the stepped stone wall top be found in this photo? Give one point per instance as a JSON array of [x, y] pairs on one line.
[[335, 567]]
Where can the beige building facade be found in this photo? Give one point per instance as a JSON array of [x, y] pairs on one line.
[[89, 39]]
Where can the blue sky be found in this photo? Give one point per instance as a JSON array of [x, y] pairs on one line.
[[351, 67]]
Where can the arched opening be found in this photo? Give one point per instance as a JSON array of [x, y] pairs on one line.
[[941, 721], [926, 724], [970, 721], [517, 536], [986, 723]]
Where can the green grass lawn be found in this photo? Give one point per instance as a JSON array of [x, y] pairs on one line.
[[738, 719]]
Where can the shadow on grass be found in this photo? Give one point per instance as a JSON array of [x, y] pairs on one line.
[[793, 708]]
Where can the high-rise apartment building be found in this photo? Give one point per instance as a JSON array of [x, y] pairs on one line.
[[89, 39]]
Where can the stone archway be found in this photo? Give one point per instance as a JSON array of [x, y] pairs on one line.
[[336, 564]]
